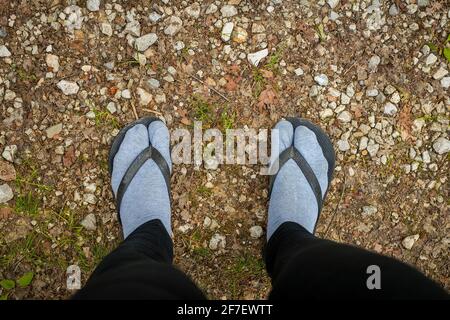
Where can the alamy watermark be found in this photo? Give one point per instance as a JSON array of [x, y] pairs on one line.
[[212, 148], [373, 282]]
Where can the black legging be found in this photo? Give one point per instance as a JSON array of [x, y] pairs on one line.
[[301, 267]]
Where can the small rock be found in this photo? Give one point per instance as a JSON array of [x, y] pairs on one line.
[[333, 3], [345, 99], [54, 130], [217, 241], [345, 116], [89, 198], [7, 171], [3, 32], [134, 28], [409, 241], [212, 8], [226, 31], [126, 94], [369, 210], [440, 73], [68, 87], [144, 42], [327, 113], [174, 25], [299, 71], [343, 145], [445, 82], [153, 83], [393, 10], [9, 153], [4, 52], [430, 59], [374, 61], [255, 58], [373, 149], [93, 5], [160, 98], [228, 11], [240, 35], [106, 29], [154, 17], [372, 92], [193, 10], [144, 97], [321, 79], [52, 62], [441, 145], [390, 109], [6, 193], [111, 107], [256, 232], [89, 222]]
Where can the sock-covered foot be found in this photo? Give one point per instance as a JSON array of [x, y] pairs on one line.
[[146, 197], [292, 198]]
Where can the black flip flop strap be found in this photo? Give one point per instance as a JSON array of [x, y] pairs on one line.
[[146, 154], [292, 153]]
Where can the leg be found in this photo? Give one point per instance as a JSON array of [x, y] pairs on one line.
[[305, 267], [140, 268]]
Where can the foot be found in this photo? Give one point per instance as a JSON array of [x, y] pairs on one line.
[[292, 198], [146, 197]]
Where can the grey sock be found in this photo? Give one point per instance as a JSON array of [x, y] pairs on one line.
[[292, 198], [146, 197]]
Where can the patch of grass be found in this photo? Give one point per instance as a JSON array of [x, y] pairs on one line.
[[274, 59], [204, 191], [23, 74], [259, 82], [105, 118], [202, 109], [27, 203], [227, 119], [242, 270]]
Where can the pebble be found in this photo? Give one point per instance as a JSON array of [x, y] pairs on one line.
[[93, 5], [106, 29], [153, 83], [390, 109], [373, 149], [217, 241], [144, 42], [374, 61], [372, 92], [226, 31], [431, 59], [333, 3], [343, 145], [440, 73], [3, 32], [89, 198], [212, 8], [126, 94], [54, 130], [409, 241], [154, 17], [228, 11], [345, 99], [133, 28], [255, 58], [68, 87], [174, 25], [369, 210], [144, 97], [393, 10], [6, 193], [9, 154], [256, 232], [4, 52], [327, 113], [445, 82], [441, 145], [240, 35], [111, 107], [193, 10], [321, 79], [89, 222], [299, 71], [345, 116], [52, 62]]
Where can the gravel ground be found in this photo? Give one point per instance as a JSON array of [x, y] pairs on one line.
[[373, 74]]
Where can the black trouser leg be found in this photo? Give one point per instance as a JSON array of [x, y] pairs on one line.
[[140, 268], [305, 267]]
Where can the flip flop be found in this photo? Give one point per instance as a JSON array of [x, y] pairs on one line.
[[149, 153], [293, 153]]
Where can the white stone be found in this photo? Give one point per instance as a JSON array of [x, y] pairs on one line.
[[133, 28], [390, 109], [89, 222], [144, 97], [68, 87], [333, 3], [321, 79], [395, 98], [299, 71], [89, 198], [174, 25], [445, 82], [4, 52], [126, 94], [409, 241], [212, 8], [93, 5], [373, 149], [144, 42], [374, 61], [255, 58], [343, 145], [441, 145], [217, 241], [430, 59], [345, 99], [111, 107], [372, 92], [153, 83], [227, 30], [345, 116], [440, 73], [256, 232], [193, 10], [228, 11], [154, 17], [52, 62], [6, 193], [393, 10], [327, 113], [106, 29], [369, 210], [53, 130]]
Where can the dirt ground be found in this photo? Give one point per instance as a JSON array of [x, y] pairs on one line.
[[373, 75]]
